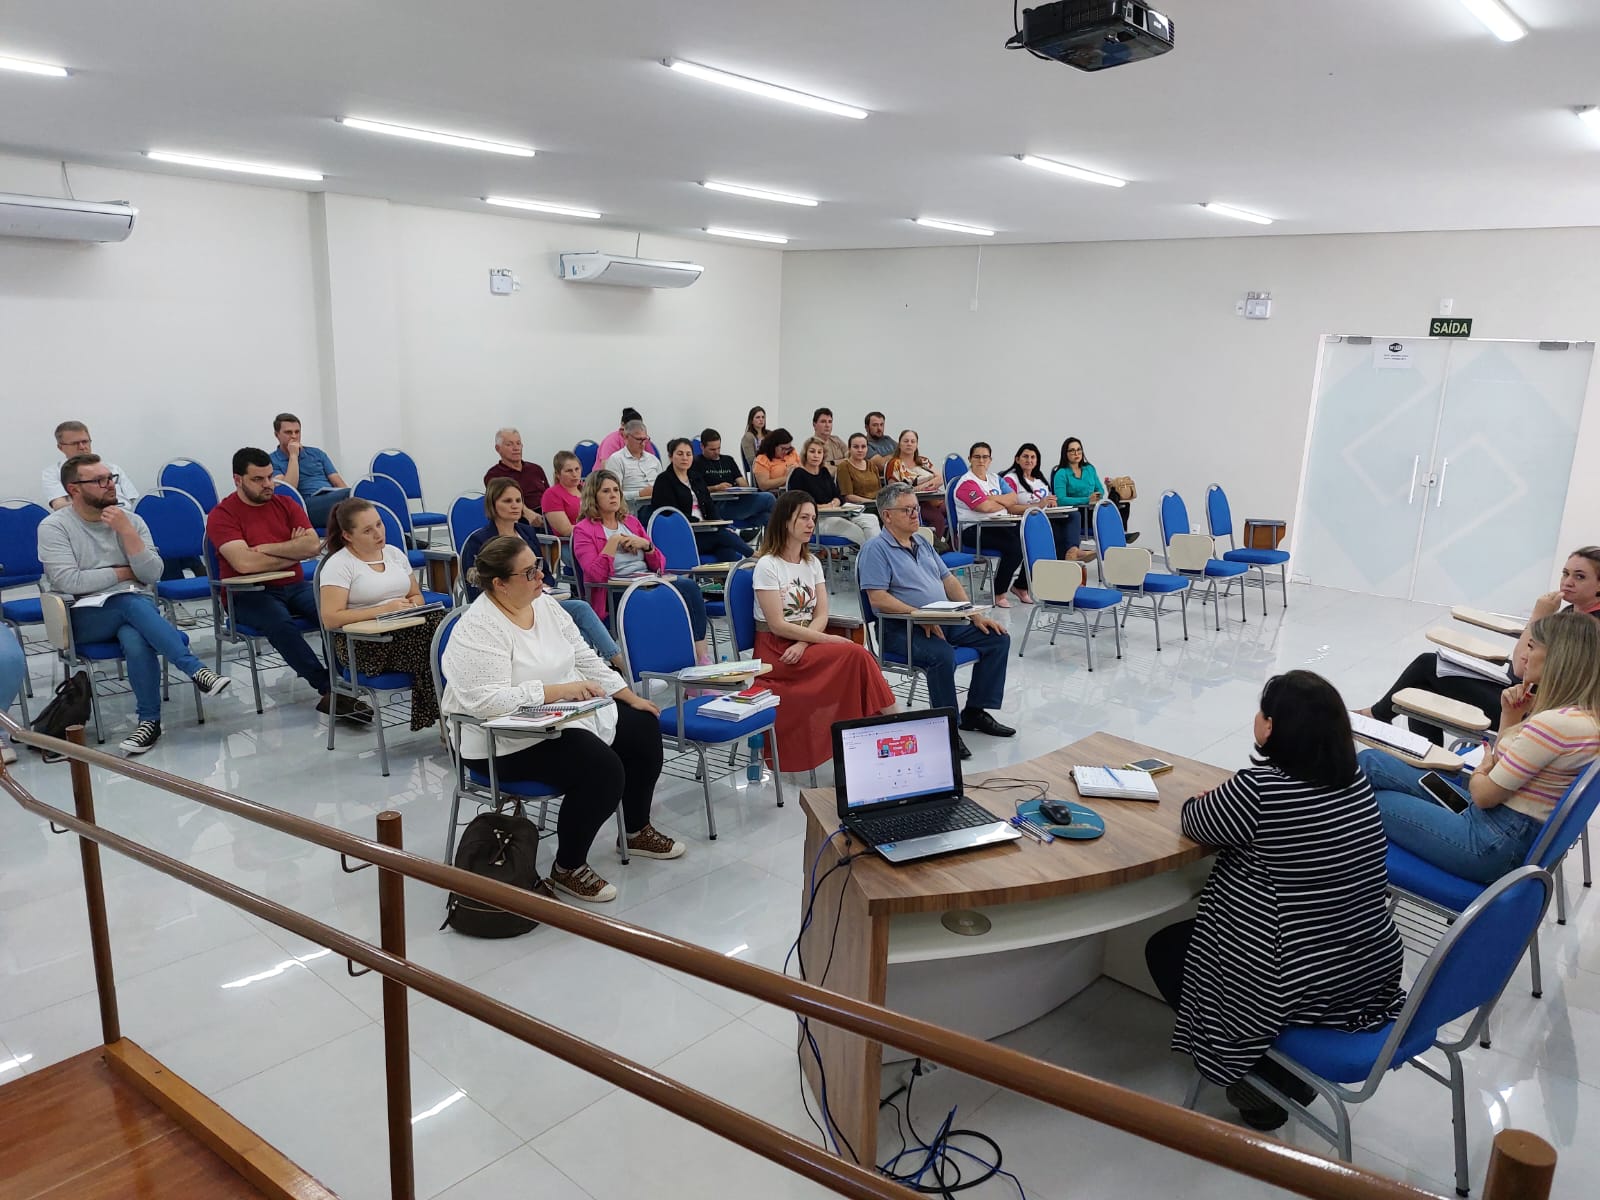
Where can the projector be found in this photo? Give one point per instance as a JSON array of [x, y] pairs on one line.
[[1093, 35]]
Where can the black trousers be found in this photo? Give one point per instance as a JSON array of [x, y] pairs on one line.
[[1007, 539], [593, 779], [1482, 694], [1166, 954]]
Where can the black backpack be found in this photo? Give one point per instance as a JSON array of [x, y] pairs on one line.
[[73, 705], [503, 847]]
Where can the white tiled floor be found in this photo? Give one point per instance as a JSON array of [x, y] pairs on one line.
[[279, 1033]]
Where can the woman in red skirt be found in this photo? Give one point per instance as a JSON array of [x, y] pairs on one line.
[[820, 677]]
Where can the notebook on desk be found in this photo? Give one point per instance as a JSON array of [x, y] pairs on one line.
[[898, 784]]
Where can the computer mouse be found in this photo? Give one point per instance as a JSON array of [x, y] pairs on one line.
[[1056, 812]]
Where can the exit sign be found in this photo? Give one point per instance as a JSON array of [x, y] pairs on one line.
[[1450, 327]]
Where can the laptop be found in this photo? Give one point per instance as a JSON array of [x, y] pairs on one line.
[[898, 783]]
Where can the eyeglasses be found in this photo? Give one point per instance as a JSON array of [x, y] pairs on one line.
[[912, 510], [102, 481], [533, 572]]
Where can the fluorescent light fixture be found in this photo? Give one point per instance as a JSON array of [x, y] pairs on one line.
[[770, 91], [32, 68], [232, 164], [560, 210], [953, 226], [1238, 214], [739, 189], [1590, 116], [1071, 172], [430, 135], [1497, 19], [746, 235]]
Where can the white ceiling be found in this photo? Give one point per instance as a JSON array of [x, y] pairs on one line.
[[1338, 116]]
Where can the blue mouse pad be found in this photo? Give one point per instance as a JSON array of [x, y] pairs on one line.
[[1086, 823]]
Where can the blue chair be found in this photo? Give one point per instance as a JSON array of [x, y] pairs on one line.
[[186, 475], [657, 642], [1127, 568], [482, 787], [83, 656], [741, 604], [464, 519], [381, 490], [394, 535], [1194, 556], [178, 525], [402, 468], [227, 631], [20, 567], [288, 489], [695, 445], [954, 467], [1420, 882], [899, 663], [1465, 974], [1059, 589], [672, 534], [1219, 519], [975, 562], [586, 451]]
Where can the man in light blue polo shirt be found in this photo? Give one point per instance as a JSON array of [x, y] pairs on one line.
[[307, 469], [901, 572]]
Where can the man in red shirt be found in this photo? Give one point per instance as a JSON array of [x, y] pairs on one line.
[[255, 530], [530, 476]]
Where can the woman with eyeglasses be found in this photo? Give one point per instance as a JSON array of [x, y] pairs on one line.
[[514, 647], [775, 458], [1075, 481]]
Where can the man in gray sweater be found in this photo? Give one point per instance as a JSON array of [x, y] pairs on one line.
[[100, 556]]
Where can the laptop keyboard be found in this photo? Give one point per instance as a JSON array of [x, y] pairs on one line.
[[902, 827]]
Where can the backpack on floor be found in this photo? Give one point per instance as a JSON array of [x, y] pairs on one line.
[[503, 847], [72, 705]]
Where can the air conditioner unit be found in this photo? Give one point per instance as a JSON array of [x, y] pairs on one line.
[[617, 270], [68, 220]]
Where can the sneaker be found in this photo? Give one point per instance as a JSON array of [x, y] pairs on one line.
[[142, 738], [582, 884], [1131, 539], [209, 682], [651, 843], [345, 706]]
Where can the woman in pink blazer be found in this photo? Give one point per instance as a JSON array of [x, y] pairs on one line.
[[609, 543]]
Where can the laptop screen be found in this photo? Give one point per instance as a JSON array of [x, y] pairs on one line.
[[896, 759]]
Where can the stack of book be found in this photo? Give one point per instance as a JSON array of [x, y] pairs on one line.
[[738, 706]]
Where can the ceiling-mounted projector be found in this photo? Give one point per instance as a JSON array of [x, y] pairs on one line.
[[1093, 35]]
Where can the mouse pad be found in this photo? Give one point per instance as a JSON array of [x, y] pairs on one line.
[[1086, 823]]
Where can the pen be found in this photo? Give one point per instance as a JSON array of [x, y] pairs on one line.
[[1114, 780], [1038, 830], [1028, 829]]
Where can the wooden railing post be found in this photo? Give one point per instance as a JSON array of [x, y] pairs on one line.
[[105, 978], [396, 1017], [1522, 1166]]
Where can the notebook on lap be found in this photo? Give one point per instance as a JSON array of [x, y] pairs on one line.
[[898, 783]]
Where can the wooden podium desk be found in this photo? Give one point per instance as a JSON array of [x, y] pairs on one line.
[[1053, 910]]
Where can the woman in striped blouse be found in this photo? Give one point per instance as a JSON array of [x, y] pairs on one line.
[[1293, 927], [1549, 733]]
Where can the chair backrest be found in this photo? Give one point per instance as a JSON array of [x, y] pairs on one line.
[[1108, 527], [1470, 965], [289, 490], [400, 467], [19, 541], [1219, 517], [387, 493], [1568, 820], [1038, 542], [951, 510], [393, 530], [441, 642], [954, 467], [176, 522], [669, 531], [465, 518], [186, 475], [741, 594], [695, 442], [653, 629], [1174, 515], [57, 621], [586, 452]]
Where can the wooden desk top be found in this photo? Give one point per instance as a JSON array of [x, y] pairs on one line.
[[1470, 643], [1497, 622], [1141, 839], [377, 626], [258, 577]]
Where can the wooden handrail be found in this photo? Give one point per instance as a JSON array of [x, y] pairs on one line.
[[1188, 1132]]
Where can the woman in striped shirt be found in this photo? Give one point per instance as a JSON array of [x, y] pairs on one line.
[[1293, 927], [1549, 732]]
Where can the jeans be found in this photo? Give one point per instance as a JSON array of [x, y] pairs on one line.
[[13, 669], [1067, 531], [744, 509], [858, 528], [319, 506], [721, 543], [133, 620], [592, 628], [592, 777], [271, 612], [937, 657], [1480, 844]]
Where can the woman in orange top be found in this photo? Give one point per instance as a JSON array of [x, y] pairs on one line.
[[775, 458]]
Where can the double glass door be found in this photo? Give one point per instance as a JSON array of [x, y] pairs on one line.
[[1438, 468]]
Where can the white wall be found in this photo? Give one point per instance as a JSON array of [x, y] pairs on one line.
[[373, 322], [1135, 346]]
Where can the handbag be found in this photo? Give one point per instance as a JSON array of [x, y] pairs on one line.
[[72, 705], [1122, 488]]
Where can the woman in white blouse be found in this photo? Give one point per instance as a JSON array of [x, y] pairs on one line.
[[515, 647], [363, 577]]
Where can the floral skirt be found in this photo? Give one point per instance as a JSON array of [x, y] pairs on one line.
[[406, 650]]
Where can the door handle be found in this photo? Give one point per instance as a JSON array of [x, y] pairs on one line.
[[1443, 468], [1416, 460]]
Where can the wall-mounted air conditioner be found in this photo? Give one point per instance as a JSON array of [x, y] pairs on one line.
[[617, 270], [67, 220]]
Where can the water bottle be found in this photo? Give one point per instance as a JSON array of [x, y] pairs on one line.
[[753, 771]]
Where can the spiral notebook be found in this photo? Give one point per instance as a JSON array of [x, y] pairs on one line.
[[1118, 784]]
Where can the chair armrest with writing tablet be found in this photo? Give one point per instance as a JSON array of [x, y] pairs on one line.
[[1495, 622], [1467, 643], [1191, 551], [57, 620], [1055, 581], [1126, 566], [252, 580], [374, 630], [1452, 714]]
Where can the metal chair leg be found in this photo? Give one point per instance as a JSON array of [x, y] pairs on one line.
[[1533, 965], [1561, 894], [377, 719], [1458, 1119], [777, 775], [705, 787], [1193, 1096], [1583, 840]]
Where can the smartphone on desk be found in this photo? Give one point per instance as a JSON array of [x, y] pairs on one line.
[[1155, 766], [1442, 793]]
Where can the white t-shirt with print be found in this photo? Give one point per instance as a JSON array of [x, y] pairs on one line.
[[366, 585], [797, 584]]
